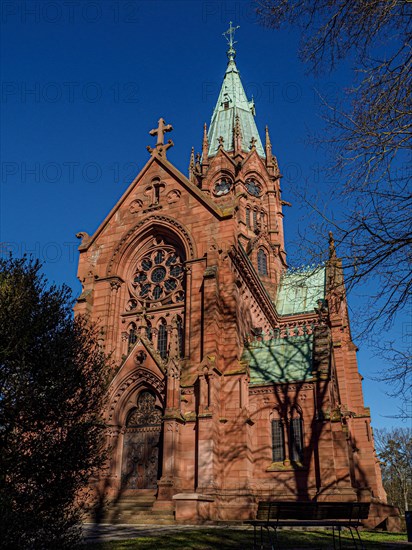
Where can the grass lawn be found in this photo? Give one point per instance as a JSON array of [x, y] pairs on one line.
[[231, 539]]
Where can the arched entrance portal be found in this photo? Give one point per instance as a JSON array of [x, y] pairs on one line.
[[141, 444]]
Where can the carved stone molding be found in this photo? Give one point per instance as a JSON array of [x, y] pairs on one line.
[[173, 196], [279, 389], [135, 206], [188, 391], [147, 221], [138, 375]]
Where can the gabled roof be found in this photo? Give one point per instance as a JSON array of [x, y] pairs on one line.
[[232, 102], [163, 163]]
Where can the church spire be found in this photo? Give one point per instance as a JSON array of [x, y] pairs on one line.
[[232, 101]]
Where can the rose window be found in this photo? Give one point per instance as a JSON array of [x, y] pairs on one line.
[[253, 188], [159, 276]]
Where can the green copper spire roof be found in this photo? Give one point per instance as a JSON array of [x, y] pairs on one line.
[[231, 105]]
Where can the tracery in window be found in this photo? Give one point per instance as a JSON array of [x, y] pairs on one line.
[[287, 437], [262, 261], [222, 187], [158, 276], [252, 187], [146, 413], [162, 339]]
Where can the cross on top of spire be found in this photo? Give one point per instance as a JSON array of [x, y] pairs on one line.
[[229, 35]]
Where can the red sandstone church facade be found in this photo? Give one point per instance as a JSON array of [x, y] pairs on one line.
[[237, 378]]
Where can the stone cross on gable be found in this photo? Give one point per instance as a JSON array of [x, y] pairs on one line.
[[160, 131]]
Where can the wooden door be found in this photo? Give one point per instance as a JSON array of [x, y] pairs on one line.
[[141, 444]]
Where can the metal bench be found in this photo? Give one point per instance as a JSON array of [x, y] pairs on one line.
[[272, 515]]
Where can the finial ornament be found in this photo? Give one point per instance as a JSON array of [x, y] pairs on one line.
[[192, 163], [332, 249], [268, 144], [205, 144], [229, 35], [160, 131], [221, 141], [253, 142]]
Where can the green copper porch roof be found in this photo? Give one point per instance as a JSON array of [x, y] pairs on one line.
[[280, 359], [300, 290], [233, 102]]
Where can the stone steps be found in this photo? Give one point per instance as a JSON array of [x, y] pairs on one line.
[[142, 520], [137, 510]]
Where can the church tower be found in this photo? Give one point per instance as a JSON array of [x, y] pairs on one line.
[[236, 378]]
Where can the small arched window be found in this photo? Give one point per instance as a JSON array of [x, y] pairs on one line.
[[278, 441], [162, 339], [262, 261], [132, 336], [296, 439], [255, 220]]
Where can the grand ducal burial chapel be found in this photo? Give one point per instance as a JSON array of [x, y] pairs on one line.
[[237, 377]]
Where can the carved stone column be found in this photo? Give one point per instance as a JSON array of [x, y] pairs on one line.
[[207, 431], [168, 484]]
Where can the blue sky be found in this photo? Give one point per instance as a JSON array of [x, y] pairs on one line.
[[84, 81]]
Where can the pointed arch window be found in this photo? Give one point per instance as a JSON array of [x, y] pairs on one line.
[[278, 441], [162, 339], [248, 217], [132, 336], [287, 437], [255, 220], [262, 261], [296, 439]]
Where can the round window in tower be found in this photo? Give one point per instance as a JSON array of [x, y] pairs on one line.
[[253, 188], [222, 187]]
